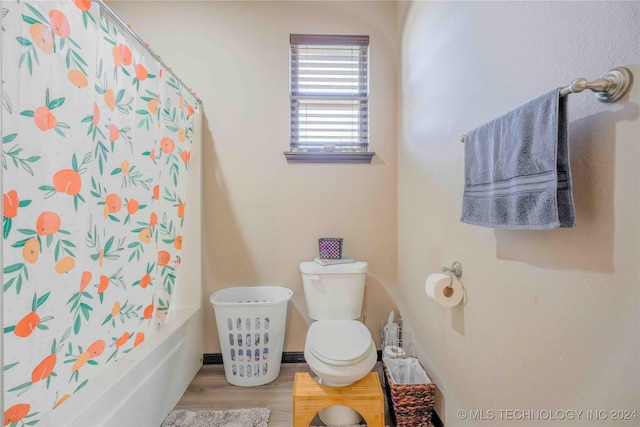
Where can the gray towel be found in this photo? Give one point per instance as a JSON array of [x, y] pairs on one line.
[[516, 169]]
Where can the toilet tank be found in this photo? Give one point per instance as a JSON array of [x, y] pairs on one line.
[[334, 292]]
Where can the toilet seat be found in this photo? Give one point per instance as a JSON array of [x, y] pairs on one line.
[[339, 342]]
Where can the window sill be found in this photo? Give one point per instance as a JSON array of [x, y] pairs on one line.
[[301, 157]]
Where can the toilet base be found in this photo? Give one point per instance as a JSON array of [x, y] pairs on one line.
[[364, 396], [339, 415]]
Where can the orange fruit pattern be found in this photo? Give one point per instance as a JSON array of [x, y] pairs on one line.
[[62, 400], [185, 156], [16, 413], [141, 72], [110, 99], [59, 23], [67, 181], [42, 37], [93, 204], [31, 250], [44, 368], [163, 258], [10, 204], [132, 206], [139, 338], [84, 281], [65, 264], [83, 5], [77, 78], [27, 324], [48, 223], [113, 203], [144, 282], [167, 145], [96, 348], [44, 118]]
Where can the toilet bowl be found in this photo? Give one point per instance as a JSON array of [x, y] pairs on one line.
[[338, 348], [339, 352]]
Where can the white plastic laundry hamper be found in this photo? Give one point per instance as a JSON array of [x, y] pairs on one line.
[[251, 324]]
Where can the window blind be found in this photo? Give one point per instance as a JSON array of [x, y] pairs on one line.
[[329, 93]]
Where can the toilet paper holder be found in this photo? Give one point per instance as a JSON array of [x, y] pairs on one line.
[[455, 269]]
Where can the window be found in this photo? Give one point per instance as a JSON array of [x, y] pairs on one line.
[[329, 92]]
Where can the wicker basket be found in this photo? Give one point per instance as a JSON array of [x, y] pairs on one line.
[[411, 404]]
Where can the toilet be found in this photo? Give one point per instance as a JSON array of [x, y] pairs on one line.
[[338, 347]]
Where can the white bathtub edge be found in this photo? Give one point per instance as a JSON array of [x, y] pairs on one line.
[[141, 388]]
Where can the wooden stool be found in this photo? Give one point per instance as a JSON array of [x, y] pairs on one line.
[[365, 396]]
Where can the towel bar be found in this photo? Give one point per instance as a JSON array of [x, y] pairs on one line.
[[613, 85]]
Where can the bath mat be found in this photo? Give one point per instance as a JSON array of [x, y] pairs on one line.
[[255, 417]]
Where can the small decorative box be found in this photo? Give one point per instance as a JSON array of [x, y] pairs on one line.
[[330, 248]]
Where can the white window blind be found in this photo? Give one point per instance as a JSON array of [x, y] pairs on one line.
[[329, 93]]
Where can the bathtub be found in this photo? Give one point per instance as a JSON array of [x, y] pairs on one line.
[[141, 388]]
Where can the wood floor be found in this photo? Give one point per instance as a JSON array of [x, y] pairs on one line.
[[210, 390]]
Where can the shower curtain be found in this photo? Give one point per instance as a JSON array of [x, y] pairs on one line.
[[96, 138]]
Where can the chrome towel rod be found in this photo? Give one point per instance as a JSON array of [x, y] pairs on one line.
[[613, 85]]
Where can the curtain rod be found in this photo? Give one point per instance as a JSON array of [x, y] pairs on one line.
[[127, 28]]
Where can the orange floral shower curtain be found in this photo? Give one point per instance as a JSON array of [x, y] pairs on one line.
[[96, 140]]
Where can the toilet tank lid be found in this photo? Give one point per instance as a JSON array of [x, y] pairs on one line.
[[312, 267]]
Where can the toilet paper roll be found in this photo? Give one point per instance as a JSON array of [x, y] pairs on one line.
[[437, 288]]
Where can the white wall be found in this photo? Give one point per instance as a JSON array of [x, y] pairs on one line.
[[552, 318], [262, 216]]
